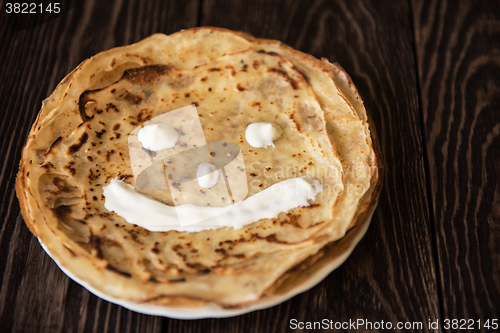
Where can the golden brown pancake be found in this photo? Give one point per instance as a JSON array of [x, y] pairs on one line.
[[80, 142]]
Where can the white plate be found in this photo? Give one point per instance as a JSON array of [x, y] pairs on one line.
[[214, 311]]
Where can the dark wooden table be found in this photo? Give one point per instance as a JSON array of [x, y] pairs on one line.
[[429, 73]]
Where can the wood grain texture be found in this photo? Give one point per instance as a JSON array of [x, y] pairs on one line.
[[458, 52]]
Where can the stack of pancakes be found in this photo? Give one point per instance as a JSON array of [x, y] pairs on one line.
[[79, 143]]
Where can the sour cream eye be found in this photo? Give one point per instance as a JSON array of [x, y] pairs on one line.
[[207, 175], [262, 135], [158, 136]]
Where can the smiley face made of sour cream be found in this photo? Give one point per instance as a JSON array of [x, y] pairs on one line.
[[170, 151]]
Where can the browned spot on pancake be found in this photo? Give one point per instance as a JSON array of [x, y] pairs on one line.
[[295, 121], [84, 99], [146, 60], [271, 239], [292, 219], [144, 115], [73, 254], [47, 166], [214, 69], [61, 184], [81, 141], [62, 210], [176, 249], [177, 280], [256, 104], [271, 53], [134, 237], [244, 68], [221, 250], [133, 98], [56, 141], [100, 133], [91, 176], [146, 74], [105, 214], [256, 64], [69, 167], [285, 75], [186, 95], [152, 279], [113, 269], [240, 87], [107, 157], [95, 246], [116, 127], [111, 106], [302, 73], [311, 206], [233, 72], [123, 177], [203, 79], [241, 255], [90, 158], [198, 268], [315, 224]]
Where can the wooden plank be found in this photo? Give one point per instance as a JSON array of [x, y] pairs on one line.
[[390, 276], [458, 53], [35, 295]]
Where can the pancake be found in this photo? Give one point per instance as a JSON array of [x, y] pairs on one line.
[[80, 142]]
